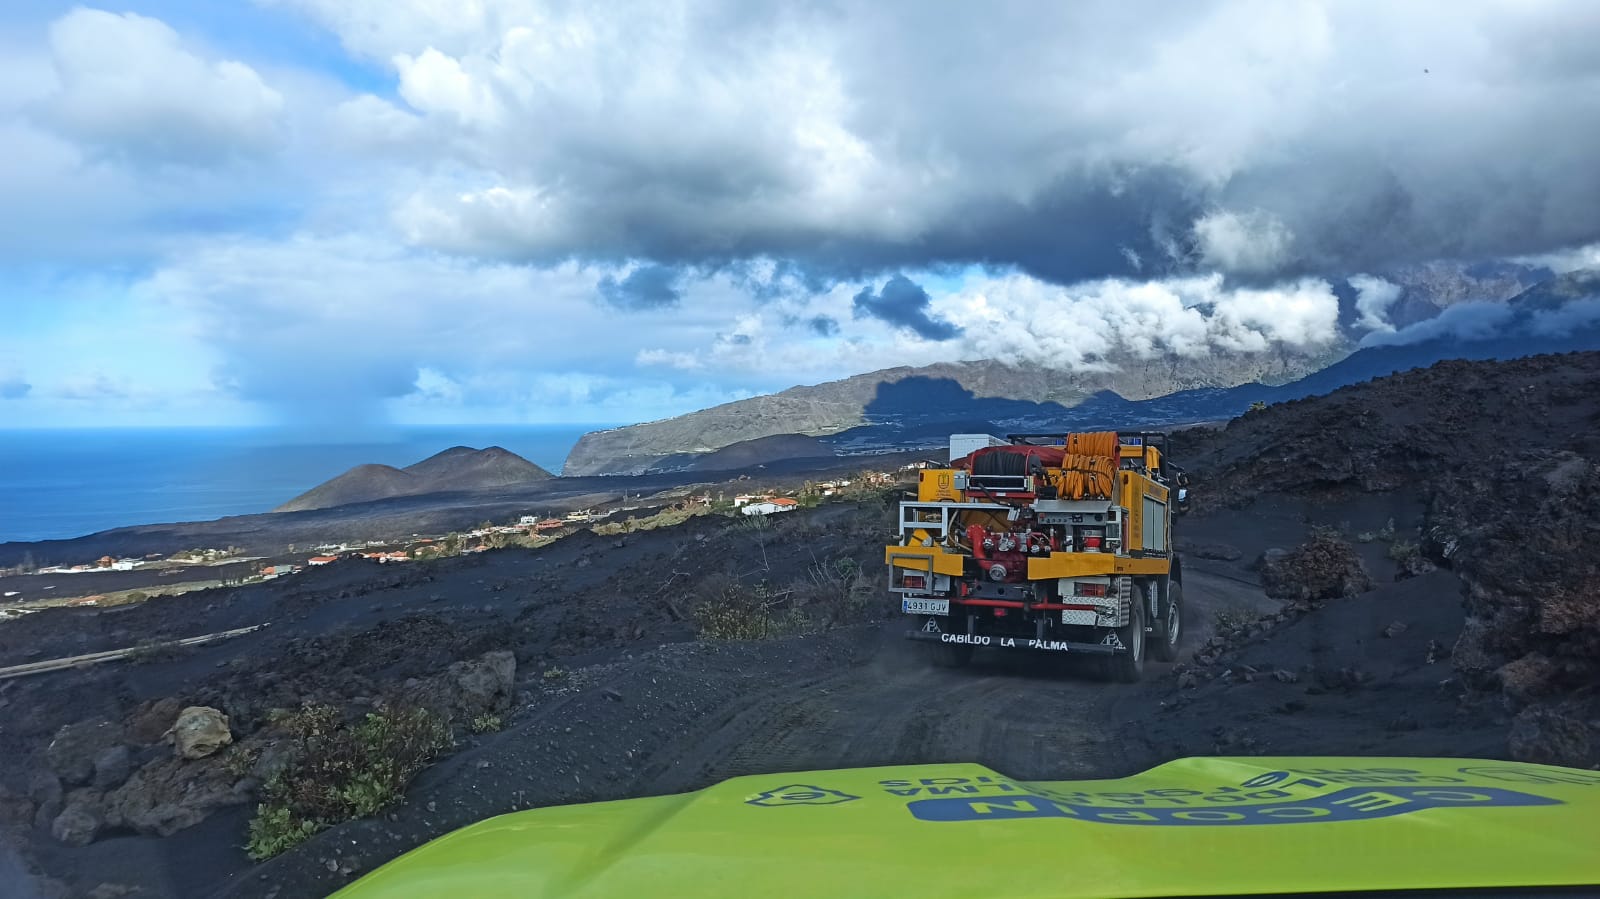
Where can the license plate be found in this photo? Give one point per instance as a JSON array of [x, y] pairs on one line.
[[925, 606]]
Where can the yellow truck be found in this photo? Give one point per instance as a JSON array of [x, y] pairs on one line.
[[1056, 543]]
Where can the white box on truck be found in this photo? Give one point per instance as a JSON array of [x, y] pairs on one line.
[[964, 444]]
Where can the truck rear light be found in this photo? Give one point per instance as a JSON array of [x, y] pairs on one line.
[[1083, 589], [913, 580]]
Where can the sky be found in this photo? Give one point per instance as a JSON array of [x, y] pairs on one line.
[[343, 212]]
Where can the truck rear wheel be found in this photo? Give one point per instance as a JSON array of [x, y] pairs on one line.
[[1168, 630], [950, 655], [1127, 666]]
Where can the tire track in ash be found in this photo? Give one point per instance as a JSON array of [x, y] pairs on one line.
[[1027, 716], [1018, 723]]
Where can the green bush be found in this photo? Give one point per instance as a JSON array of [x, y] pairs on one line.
[[341, 770], [486, 723]]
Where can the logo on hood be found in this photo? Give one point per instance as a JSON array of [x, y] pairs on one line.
[[799, 794]]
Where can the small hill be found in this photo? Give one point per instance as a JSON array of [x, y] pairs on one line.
[[464, 468], [457, 468], [361, 484]]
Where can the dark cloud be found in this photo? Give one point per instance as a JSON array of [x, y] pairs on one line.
[[823, 325], [903, 303], [646, 287], [1303, 139]]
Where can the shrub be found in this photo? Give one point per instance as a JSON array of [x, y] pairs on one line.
[[554, 673], [1233, 621], [486, 723], [240, 760], [737, 614], [341, 770], [837, 592], [1258, 406]]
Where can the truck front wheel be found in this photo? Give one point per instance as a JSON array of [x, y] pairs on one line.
[[1127, 665]]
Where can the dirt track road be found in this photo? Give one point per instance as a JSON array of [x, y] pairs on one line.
[[1027, 716]]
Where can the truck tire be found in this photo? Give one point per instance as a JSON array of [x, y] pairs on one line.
[[1128, 666], [1167, 632], [950, 655]]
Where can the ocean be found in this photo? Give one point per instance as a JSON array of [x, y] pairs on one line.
[[71, 482]]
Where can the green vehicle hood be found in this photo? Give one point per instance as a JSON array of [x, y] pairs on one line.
[[1202, 826]]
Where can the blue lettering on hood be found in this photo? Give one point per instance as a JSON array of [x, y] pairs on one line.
[[1349, 804]]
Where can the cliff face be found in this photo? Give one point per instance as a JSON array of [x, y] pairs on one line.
[[835, 406]]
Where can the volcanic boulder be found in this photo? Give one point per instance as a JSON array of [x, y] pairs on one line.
[[1324, 567]]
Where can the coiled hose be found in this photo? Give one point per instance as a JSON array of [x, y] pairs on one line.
[[1090, 468]]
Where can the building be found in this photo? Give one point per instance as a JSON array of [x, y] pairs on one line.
[[528, 521], [549, 524], [770, 506], [322, 560]]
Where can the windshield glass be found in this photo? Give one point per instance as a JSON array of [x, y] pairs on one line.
[[413, 413]]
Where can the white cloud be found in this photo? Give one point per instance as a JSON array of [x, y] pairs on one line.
[[1271, 137], [1463, 321], [1572, 315], [1026, 320], [1567, 260], [682, 361], [1245, 242], [1374, 296], [128, 86]]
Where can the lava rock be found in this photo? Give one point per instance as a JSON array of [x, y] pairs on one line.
[[1528, 678], [1324, 567], [76, 746], [1554, 735], [81, 821], [172, 793], [152, 720], [112, 767]]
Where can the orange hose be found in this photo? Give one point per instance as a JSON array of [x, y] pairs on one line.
[[1089, 469], [1086, 477], [1093, 443]]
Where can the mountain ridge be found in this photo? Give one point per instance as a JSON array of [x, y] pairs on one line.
[[903, 408]]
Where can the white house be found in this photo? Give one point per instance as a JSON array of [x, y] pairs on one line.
[[770, 506]]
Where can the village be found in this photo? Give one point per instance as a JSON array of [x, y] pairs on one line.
[[157, 574]]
